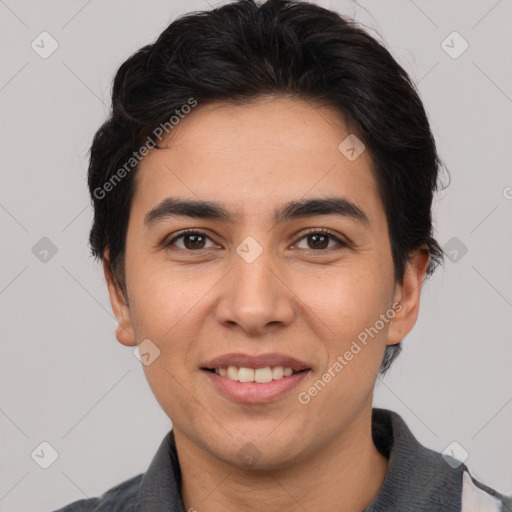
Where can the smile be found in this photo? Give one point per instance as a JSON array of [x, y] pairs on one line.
[[260, 375]]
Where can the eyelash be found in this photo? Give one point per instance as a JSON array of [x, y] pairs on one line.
[[311, 231]]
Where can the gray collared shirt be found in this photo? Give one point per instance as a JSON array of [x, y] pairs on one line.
[[417, 480]]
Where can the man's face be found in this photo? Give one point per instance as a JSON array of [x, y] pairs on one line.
[[247, 285]]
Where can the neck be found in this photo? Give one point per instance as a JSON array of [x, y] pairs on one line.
[[349, 471]]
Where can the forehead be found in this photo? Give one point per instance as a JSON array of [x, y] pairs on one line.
[[249, 157]]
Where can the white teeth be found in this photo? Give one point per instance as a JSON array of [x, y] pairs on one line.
[[263, 375], [246, 375], [277, 372], [260, 375], [232, 373]]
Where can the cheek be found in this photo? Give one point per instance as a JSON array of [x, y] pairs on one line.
[[167, 314], [172, 391], [348, 325], [165, 300], [346, 300]]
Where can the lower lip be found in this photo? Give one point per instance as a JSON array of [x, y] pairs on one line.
[[254, 392]]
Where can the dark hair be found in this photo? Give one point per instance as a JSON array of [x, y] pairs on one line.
[[243, 51]]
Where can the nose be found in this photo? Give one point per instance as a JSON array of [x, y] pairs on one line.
[[255, 296]]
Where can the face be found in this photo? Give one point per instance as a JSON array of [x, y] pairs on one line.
[[257, 283]]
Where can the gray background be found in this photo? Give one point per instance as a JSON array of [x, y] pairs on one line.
[[64, 377]]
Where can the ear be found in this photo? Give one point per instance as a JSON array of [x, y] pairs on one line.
[[125, 333], [407, 293]]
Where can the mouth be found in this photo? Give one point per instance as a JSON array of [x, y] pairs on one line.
[[255, 379]]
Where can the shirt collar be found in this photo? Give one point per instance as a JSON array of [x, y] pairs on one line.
[[417, 479], [161, 485]]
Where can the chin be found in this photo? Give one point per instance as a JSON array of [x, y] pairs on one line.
[[257, 452]]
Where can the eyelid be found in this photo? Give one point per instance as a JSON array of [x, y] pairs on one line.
[[342, 243], [325, 231], [190, 231]]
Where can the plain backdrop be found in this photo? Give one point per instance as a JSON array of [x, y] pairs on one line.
[[66, 381]]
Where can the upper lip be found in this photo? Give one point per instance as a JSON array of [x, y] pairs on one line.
[[247, 361]]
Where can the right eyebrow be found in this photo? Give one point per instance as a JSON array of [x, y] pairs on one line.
[[173, 207]]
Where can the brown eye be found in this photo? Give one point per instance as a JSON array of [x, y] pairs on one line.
[[191, 241], [319, 240]]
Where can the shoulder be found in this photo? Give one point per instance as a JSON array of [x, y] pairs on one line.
[[421, 479], [123, 497], [159, 485], [478, 496]]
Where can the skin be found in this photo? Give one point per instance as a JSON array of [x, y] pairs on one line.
[[296, 299]]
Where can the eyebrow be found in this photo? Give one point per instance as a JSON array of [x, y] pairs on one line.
[[198, 209]]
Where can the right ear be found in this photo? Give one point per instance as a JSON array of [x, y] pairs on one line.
[[125, 333]]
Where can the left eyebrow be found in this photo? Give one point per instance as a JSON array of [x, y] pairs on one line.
[[322, 206], [198, 209]]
